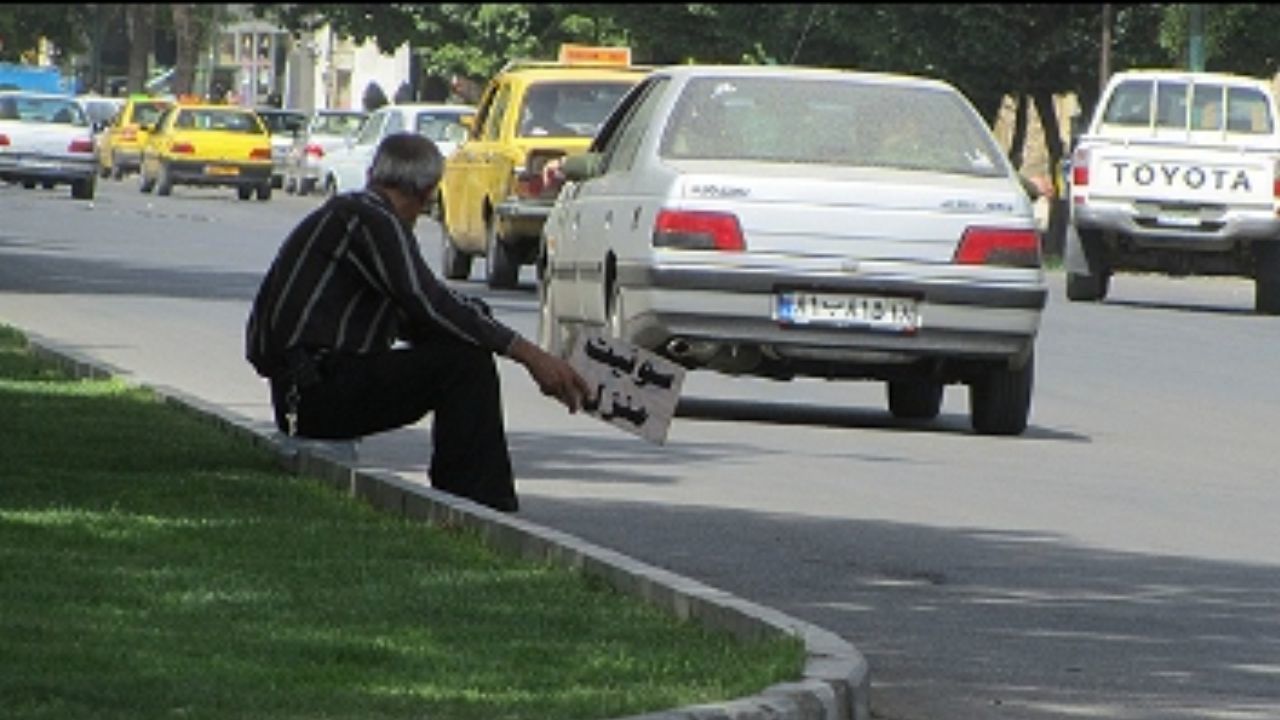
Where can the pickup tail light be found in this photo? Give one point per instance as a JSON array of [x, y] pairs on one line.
[[315, 151], [80, 145], [698, 230], [260, 154], [541, 176], [1080, 168], [182, 148], [999, 246]]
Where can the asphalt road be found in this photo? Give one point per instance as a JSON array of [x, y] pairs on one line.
[[1119, 560]]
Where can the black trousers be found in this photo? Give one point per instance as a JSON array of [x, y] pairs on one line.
[[360, 395]]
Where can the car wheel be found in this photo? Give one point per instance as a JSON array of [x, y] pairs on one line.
[[83, 189], [1093, 285], [551, 332], [145, 184], [1266, 277], [244, 192], [456, 265], [48, 185], [306, 186], [502, 271], [104, 172], [914, 400], [290, 186], [164, 183], [1000, 400], [29, 184], [117, 170], [264, 192]]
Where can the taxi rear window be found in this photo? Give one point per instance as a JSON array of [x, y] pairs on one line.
[[221, 120]]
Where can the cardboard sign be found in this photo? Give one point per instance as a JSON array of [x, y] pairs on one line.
[[632, 388]]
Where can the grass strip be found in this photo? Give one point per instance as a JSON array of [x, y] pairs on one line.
[[152, 566]]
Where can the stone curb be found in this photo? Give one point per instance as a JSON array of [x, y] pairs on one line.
[[836, 677]]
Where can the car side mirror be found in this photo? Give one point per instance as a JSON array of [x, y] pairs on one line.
[[581, 166]]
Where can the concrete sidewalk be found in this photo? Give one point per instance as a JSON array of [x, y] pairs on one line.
[[835, 683]]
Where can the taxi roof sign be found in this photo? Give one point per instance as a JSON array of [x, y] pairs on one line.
[[571, 54]]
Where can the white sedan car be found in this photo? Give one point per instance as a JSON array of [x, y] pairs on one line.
[[46, 140], [784, 222], [345, 165]]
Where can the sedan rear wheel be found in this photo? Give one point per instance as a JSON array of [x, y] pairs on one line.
[[145, 184], [914, 399], [164, 183], [244, 192], [83, 189], [502, 271], [1000, 400], [264, 192]]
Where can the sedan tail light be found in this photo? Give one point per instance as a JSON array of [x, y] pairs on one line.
[[315, 151], [80, 145], [4, 140], [998, 246], [129, 133], [260, 154], [183, 148], [698, 230]]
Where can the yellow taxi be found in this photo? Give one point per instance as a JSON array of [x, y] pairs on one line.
[[500, 184], [208, 144], [120, 144]]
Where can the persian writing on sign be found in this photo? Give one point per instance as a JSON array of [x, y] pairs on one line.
[[631, 388]]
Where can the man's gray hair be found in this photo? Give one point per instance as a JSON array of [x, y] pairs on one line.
[[408, 162]]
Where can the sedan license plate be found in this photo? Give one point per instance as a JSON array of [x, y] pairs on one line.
[[898, 314], [221, 170]]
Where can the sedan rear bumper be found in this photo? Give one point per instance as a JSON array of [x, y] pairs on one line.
[[202, 173], [45, 168], [700, 311]]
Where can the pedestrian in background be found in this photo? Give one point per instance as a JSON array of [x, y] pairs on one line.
[[357, 335]]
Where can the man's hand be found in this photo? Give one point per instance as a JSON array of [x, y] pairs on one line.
[[555, 376]]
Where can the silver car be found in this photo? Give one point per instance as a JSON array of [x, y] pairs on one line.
[[48, 140], [784, 222]]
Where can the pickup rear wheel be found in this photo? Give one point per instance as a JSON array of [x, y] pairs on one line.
[[914, 400], [1000, 399], [1266, 278]]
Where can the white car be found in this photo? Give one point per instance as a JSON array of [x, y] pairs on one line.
[[284, 127], [782, 222], [46, 140], [326, 131], [345, 166]]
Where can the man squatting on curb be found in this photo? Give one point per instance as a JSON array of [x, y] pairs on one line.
[[358, 336]]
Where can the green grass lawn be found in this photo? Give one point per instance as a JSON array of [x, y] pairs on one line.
[[152, 566]]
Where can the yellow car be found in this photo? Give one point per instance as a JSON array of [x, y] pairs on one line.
[[120, 144], [202, 144], [500, 184]]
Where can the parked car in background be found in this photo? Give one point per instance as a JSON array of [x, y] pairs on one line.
[[206, 144], [500, 185], [284, 127], [789, 222], [46, 140], [120, 144], [344, 168], [325, 131]]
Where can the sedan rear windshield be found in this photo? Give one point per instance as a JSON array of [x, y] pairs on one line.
[[829, 122], [441, 127], [42, 110], [568, 109]]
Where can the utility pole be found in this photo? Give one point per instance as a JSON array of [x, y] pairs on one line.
[[1104, 53], [1195, 37]]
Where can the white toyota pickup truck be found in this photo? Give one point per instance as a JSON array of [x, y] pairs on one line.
[[1178, 173]]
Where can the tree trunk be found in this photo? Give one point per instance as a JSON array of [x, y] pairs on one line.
[[1019, 140], [1055, 236], [187, 36], [141, 20]]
